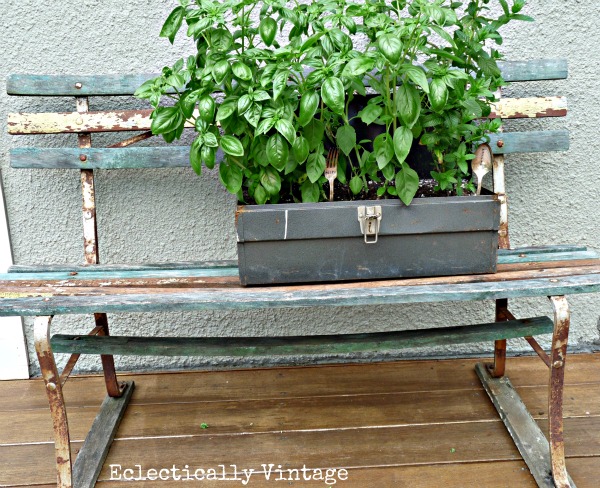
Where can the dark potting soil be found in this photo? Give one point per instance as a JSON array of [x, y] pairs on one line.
[[342, 192]]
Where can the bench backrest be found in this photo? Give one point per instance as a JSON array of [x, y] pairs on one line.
[[84, 123]]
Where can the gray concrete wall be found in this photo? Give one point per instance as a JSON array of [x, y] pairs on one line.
[[166, 215]]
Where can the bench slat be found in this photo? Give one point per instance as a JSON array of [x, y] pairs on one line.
[[139, 120], [530, 142], [81, 300], [178, 156], [563, 253], [118, 84], [292, 345], [534, 70], [66, 85]]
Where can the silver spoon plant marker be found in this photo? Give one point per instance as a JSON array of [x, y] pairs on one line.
[[481, 165]]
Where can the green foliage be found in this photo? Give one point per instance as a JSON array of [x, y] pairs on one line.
[[271, 83]]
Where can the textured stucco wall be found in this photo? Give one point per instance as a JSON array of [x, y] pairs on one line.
[[166, 215]]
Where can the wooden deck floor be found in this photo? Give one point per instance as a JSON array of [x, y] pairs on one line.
[[413, 424]]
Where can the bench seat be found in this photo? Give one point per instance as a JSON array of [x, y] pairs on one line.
[[525, 272]]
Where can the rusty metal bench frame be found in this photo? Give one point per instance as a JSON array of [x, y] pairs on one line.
[[43, 291]]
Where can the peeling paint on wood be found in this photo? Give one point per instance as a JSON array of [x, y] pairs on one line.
[[128, 120], [519, 108]]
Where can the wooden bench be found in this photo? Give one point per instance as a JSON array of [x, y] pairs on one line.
[[93, 288]]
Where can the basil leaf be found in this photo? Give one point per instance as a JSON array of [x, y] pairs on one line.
[[356, 185], [314, 133], [309, 191], [333, 94], [267, 30], [231, 176], [300, 149], [407, 184], [286, 129], [172, 24], [308, 107], [195, 157], [232, 146], [208, 156], [358, 66], [384, 150], [315, 166], [270, 180], [390, 47], [241, 71], [277, 152], [408, 104], [346, 138], [166, 119], [403, 139], [370, 113], [438, 94], [220, 70]]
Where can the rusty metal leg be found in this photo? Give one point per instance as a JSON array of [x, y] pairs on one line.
[[499, 367], [113, 388], [558, 355], [55, 398]]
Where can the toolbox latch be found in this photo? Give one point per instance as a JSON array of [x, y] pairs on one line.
[[370, 220]]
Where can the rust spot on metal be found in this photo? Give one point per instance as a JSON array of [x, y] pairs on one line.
[[562, 321], [73, 273], [538, 349]]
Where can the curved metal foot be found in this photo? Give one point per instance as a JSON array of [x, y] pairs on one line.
[[558, 355], [41, 333]]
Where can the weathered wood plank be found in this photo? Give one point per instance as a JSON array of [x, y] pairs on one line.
[[237, 415], [370, 293], [321, 344], [127, 84], [74, 122], [348, 380], [535, 107], [540, 249], [534, 70], [139, 120], [66, 268], [526, 433], [83, 268], [109, 285], [178, 156], [75, 85], [529, 142], [526, 257], [103, 158], [92, 454]]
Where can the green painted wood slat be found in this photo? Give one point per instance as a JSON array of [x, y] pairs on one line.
[[66, 268], [178, 156], [119, 84], [373, 293], [229, 268], [291, 345]]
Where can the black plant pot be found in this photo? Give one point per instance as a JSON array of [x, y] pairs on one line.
[[419, 158]]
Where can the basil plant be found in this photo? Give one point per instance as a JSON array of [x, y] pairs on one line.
[[272, 83]]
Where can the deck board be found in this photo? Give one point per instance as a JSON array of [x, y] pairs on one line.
[[328, 416]]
